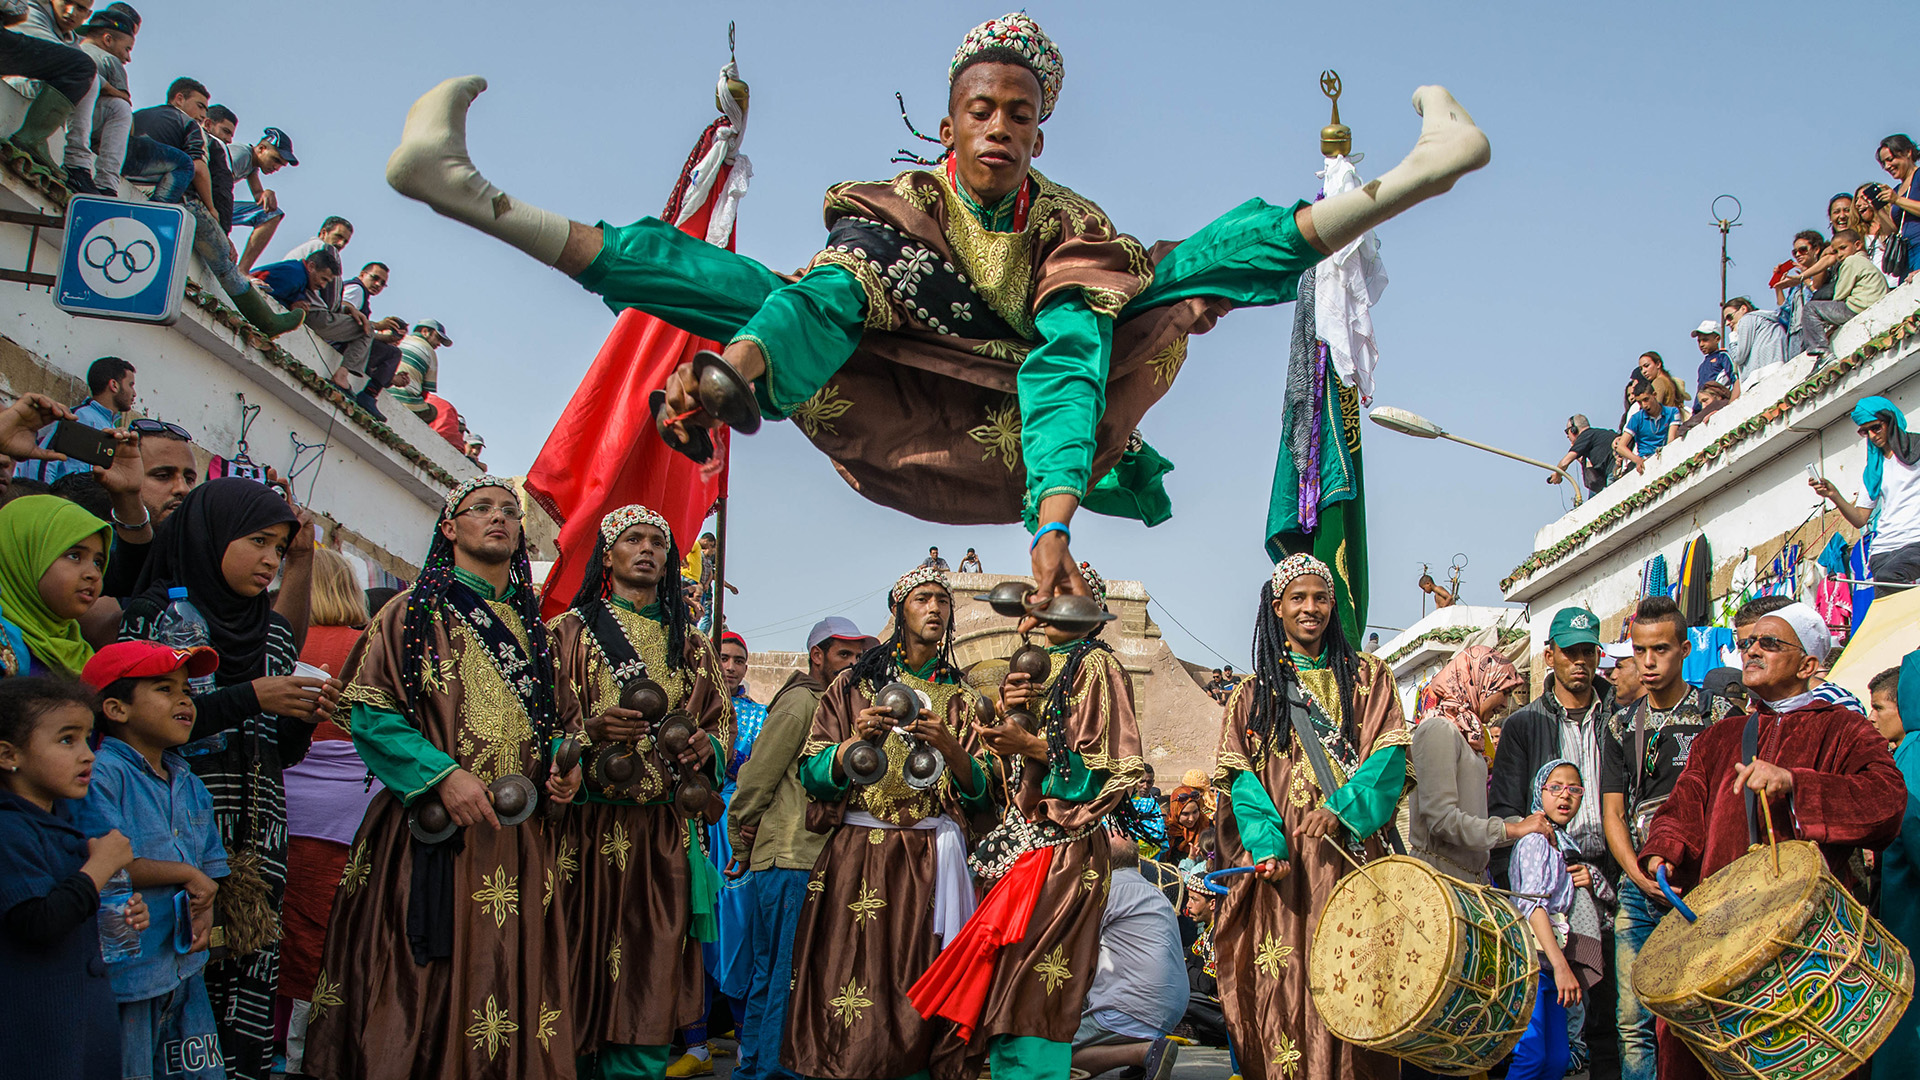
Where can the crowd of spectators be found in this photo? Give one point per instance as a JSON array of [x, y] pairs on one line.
[[71, 60], [1872, 245]]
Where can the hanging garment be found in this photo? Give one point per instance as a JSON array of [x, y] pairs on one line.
[[1696, 582]]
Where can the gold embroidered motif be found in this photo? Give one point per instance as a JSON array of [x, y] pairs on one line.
[[876, 837], [999, 265], [326, 995], [920, 196], [613, 961], [1271, 956], [1286, 1055], [868, 907], [1001, 349], [816, 886], [817, 413], [616, 846], [499, 896], [1106, 302], [491, 1028], [362, 694], [1001, 433], [1089, 878], [567, 860], [851, 1003], [1053, 970], [547, 1027], [495, 736], [546, 897], [880, 313], [357, 871], [1167, 362]]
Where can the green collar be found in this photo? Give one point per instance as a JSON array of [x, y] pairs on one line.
[[924, 672], [1309, 663], [651, 611], [995, 218], [480, 586], [1062, 650]]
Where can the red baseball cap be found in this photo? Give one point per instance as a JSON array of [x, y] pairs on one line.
[[146, 660]]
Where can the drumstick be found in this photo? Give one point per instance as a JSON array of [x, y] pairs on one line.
[[1376, 885], [1766, 814]]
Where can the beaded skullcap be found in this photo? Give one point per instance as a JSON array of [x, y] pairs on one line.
[[467, 487], [1297, 566], [627, 517], [1017, 31], [920, 575]]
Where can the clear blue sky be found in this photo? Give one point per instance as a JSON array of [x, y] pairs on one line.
[[1519, 298]]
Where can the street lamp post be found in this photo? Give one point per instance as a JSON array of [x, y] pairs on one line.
[[1408, 423]]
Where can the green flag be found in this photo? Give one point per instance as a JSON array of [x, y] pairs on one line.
[[1339, 537]]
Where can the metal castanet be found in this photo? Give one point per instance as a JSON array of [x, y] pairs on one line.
[[1072, 613], [1007, 599], [514, 798], [429, 820], [1034, 662], [692, 794], [865, 762], [675, 734], [646, 697], [697, 446], [725, 396], [566, 757]]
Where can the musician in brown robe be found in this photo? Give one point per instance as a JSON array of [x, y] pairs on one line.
[[1015, 980], [633, 874], [892, 883], [443, 959], [1276, 815], [1823, 770]]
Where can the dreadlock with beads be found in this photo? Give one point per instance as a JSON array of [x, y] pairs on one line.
[[878, 665], [597, 585], [1273, 666], [427, 604]]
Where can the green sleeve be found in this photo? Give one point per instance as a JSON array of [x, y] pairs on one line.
[[976, 797], [1081, 785], [397, 753], [806, 330], [1063, 394], [1367, 802], [816, 775], [1261, 831]]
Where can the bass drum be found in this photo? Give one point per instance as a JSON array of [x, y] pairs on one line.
[[1431, 969], [1783, 973]]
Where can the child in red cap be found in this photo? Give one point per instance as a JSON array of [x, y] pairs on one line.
[[143, 787]]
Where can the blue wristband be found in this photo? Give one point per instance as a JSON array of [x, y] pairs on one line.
[[1056, 526]]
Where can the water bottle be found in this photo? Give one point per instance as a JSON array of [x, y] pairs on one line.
[[118, 941], [181, 626]]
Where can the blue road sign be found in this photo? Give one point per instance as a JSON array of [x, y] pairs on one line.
[[124, 260]]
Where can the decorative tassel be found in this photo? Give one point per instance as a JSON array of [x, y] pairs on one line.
[[246, 905], [908, 156]]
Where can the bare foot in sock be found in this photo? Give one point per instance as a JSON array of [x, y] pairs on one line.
[[431, 165], [1450, 145]]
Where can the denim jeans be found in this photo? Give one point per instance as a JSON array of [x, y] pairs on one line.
[[169, 167], [1632, 925], [778, 894], [210, 243]]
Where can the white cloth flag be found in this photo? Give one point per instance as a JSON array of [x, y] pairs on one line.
[[1346, 286], [725, 150]]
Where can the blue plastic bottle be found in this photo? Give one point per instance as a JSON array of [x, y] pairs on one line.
[[181, 626], [118, 941]]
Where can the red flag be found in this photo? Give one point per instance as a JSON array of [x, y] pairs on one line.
[[604, 452]]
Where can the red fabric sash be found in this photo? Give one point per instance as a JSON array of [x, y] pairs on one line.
[[955, 984], [1021, 203]]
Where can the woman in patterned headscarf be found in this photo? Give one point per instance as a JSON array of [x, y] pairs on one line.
[[1450, 826]]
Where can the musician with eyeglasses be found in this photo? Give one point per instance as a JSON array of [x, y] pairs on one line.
[[1823, 771]]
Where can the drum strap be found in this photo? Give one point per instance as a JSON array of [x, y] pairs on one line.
[[1639, 747], [1750, 746], [1300, 715]]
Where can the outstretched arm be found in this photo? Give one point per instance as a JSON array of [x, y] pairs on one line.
[[1063, 394]]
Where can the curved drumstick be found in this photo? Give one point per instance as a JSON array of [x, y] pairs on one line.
[[1673, 897], [1211, 882]]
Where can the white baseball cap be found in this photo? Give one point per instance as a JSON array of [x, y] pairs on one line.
[[834, 626], [1707, 328]]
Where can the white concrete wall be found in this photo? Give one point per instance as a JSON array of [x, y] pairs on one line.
[[194, 374], [1752, 494]]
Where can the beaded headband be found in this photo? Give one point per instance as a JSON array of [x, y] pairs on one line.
[[627, 517], [1297, 566], [920, 575], [1017, 31], [467, 487]]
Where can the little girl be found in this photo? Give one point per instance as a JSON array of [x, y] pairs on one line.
[[1546, 895], [59, 1011]]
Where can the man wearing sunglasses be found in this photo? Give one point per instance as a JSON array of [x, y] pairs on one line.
[[166, 458], [1824, 771], [1892, 481]]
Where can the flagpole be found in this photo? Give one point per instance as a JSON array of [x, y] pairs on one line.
[[720, 568]]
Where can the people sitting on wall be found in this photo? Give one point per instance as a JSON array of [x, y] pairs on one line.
[[1857, 286], [107, 39], [64, 74], [1652, 369], [1715, 364], [1892, 482], [261, 213], [420, 360], [1714, 396], [1896, 154], [1759, 338], [1650, 427], [383, 350]]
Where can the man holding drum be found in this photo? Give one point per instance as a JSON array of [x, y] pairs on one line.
[[1823, 770]]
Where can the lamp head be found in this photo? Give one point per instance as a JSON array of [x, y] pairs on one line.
[[1404, 422]]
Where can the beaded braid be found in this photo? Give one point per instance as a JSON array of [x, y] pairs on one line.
[[1273, 669], [1054, 712], [596, 584], [426, 603]]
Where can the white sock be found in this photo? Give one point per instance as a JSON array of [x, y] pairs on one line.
[[431, 165], [1450, 146], [701, 1052]]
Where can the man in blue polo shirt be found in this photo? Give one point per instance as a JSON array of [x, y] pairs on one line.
[[1649, 428], [110, 381]]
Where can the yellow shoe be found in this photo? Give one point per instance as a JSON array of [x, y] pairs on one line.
[[688, 1065]]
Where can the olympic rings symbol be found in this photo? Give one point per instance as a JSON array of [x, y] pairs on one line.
[[117, 264]]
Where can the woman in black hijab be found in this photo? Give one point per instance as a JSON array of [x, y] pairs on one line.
[[224, 545]]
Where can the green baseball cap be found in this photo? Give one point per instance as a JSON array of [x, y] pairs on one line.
[[1574, 626]]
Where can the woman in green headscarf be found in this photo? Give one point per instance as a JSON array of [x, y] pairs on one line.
[[52, 557]]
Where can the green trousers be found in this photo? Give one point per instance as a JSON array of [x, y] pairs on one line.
[[620, 1062], [1023, 1057]]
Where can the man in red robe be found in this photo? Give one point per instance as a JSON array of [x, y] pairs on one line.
[[1824, 771]]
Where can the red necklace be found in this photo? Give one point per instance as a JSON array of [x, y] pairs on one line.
[[1021, 199]]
